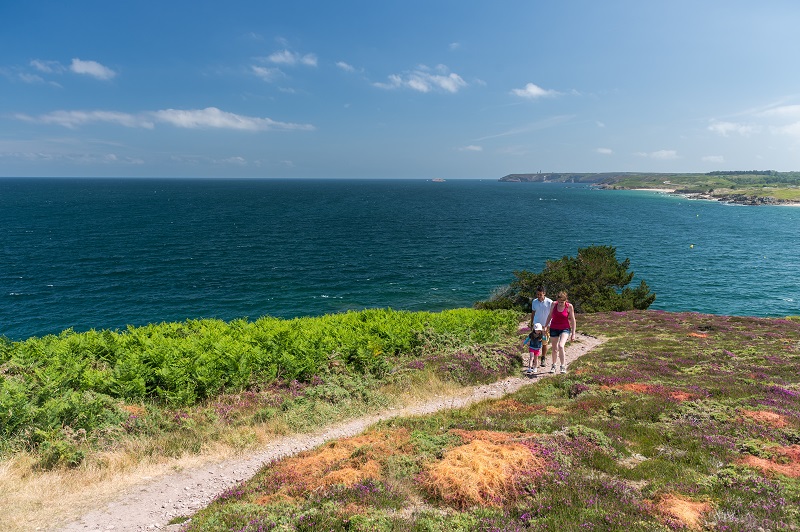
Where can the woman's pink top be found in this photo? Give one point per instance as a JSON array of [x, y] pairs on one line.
[[560, 318]]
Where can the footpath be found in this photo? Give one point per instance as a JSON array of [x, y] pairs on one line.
[[151, 506]]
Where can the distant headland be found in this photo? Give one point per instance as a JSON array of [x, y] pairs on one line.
[[747, 187]]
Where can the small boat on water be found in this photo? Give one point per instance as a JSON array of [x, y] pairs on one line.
[[437, 180]]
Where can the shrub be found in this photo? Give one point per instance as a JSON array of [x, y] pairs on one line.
[[594, 280]]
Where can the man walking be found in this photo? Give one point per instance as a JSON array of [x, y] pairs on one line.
[[540, 311]]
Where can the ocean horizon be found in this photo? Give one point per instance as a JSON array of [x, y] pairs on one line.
[[95, 253]]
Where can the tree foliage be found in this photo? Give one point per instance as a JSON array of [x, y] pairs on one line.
[[595, 281]]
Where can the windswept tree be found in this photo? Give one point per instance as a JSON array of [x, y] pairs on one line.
[[595, 281]]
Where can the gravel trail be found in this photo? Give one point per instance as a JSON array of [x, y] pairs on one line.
[[152, 505]]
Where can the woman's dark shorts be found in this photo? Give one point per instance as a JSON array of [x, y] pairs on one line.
[[555, 333]]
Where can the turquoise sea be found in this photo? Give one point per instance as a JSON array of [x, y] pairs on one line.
[[107, 253]]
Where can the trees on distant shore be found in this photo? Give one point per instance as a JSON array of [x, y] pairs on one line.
[[594, 279]]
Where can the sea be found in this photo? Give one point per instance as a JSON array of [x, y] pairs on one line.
[[100, 254]]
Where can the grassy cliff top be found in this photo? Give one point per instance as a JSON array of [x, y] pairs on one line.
[[727, 185]]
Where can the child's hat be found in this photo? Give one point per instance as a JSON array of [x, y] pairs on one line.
[[537, 326]]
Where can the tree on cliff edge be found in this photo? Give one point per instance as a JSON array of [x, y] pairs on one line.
[[595, 281]]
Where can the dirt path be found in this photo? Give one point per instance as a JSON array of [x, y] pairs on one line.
[[152, 505]]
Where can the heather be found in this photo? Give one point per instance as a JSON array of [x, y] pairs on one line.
[[172, 388], [680, 421]]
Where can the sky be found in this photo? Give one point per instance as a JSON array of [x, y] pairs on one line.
[[391, 89]]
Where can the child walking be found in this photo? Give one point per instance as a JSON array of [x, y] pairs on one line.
[[534, 343]]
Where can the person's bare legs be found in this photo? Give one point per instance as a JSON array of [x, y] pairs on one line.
[[544, 352], [562, 343]]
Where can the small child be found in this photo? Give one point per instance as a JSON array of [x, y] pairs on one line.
[[534, 343]]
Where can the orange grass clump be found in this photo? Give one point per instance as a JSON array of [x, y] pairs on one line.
[[788, 464], [347, 462], [686, 511], [512, 406], [765, 416], [468, 436], [638, 387], [681, 396], [134, 410], [480, 473]]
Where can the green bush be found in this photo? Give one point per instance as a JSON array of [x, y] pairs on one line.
[[594, 280], [79, 381]]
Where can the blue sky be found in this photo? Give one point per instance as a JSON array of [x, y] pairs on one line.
[[383, 89]]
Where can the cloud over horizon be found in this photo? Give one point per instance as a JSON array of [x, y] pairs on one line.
[[208, 118]]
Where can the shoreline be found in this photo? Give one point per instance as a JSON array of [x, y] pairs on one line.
[[661, 190], [731, 199]]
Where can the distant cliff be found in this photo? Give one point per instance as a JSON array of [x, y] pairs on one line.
[[751, 187], [570, 177]]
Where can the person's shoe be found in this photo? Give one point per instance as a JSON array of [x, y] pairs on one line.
[[535, 370], [553, 369], [563, 369], [543, 363]]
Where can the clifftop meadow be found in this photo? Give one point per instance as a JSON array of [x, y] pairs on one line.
[[752, 187]]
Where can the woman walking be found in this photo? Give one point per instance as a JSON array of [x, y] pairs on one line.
[[561, 327]]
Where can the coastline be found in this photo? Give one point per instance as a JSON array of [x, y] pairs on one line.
[[661, 190], [734, 199]]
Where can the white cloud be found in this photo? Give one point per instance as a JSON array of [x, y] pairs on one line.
[[72, 157], [48, 67], [73, 119], [267, 74], [211, 117], [208, 118], [471, 147], [238, 161], [604, 151], [346, 67], [287, 57], [793, 130], [726, 128], [533, 91], [783, 111], [91, 68], [30, 78], [454, 45], [424, 79], [714, 159], [660, 154], [600, 124], [545, 123]]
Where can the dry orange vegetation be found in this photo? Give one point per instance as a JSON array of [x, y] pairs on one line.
[[134, 410], [347, 462], [480, 473], [765, 416], [468, 436], [688, 512], [786, 461], [512, 406], [638, 387]]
